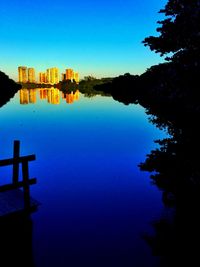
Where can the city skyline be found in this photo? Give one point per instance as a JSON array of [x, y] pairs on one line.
[[100, 38], [50, 76]]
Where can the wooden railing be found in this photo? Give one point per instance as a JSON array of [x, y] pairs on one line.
[[26, 180]]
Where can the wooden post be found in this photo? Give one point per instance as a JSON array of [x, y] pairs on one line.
[[26, 187], [16, 165]]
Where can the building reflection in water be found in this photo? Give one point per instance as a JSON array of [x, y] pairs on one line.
[[28, 96], [71, 97], [51, 95]]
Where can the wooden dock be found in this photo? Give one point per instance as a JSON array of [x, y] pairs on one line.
[[12, 198], [12, 201]]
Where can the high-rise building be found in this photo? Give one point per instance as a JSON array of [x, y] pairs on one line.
[[76, 77], [52, 76], [42, 77], [31, 75], [69, 74], [48, 76], [22, 74]]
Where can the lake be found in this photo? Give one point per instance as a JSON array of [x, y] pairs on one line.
[[96, 205]]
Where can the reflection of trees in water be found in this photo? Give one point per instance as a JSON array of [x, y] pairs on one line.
[[176, 235], [170, 94], [175, 169], [16, 241], [174, 103]]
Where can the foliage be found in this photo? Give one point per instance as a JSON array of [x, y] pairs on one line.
[[36, 85], [88, 86], [180, 31], [170, 94], [8, 88], [67, 86]]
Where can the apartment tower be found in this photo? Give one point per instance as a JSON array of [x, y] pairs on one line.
[[31, 75], [69, 74], [22, 74]]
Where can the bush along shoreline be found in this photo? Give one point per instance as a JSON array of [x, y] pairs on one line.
[[8, 88]]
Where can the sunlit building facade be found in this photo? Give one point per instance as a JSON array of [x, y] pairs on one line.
[[22, 74], [69, 74], [48, 76], [52, 76], [76, 77], [31, 75], [42, 77]]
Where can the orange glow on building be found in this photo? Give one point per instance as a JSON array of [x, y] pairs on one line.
[[42, 77], [52, 76], [31, 75], [22, 74], [76, 77], [69, 74]]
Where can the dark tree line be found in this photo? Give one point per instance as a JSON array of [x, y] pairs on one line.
[[8, 88], [170, 93]]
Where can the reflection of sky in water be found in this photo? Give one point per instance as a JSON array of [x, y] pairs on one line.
[[95, 201]]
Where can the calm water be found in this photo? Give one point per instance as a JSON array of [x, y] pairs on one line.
[[95, 203]]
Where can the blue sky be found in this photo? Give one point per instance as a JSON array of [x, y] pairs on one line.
[[100, 38]]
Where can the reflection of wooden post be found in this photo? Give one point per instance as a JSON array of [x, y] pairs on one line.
[[16, 164], [26, 187]]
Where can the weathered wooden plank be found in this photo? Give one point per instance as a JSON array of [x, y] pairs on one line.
[[16, 150], [17, 185], [25, 174], [12, 201], [11, 161]]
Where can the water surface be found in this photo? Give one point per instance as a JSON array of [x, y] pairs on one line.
[[95, 203]]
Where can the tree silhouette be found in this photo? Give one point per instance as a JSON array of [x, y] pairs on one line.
[[179, 32], [8, 88]]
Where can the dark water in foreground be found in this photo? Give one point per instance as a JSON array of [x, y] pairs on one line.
[[95, 203]]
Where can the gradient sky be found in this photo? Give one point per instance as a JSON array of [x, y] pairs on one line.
[[100, 38]]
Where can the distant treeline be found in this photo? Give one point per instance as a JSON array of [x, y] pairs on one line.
[[86, 86], [35, 85]]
